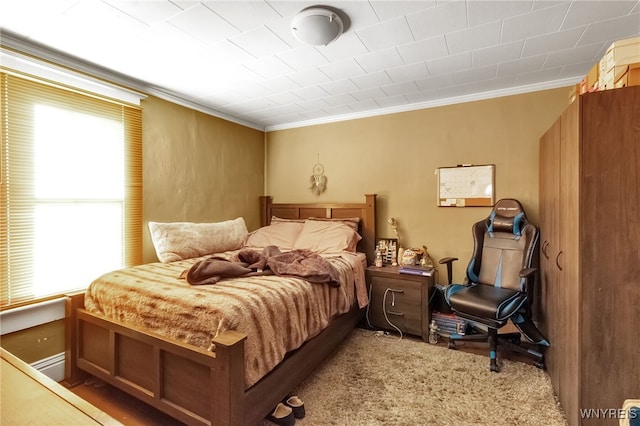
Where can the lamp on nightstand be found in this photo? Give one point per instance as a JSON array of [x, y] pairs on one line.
[[394, 225]]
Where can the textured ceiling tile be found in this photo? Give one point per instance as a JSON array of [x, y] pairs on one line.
[[302, 58], [497, 54], [150, 12], [251, 15], [309, 77], [260, 42], [203, 24], [552, 42], [519, 66], [379, 60], [543, 21], [347, 46], [385, 34], [368, 81], [585, 12], [268, 67], [434, 21], [339, 87], [449, 64], [481, 12], [421, 50], [478, 37], [342, 69], [409, 72], [612, 30]]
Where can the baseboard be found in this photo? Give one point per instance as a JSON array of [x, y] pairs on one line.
[[52, 366]]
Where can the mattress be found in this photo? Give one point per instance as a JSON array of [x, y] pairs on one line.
[[278, 314]]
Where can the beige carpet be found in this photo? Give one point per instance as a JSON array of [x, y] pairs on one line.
[[382, 380]]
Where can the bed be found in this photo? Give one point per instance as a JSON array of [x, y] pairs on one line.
[[213, 386]]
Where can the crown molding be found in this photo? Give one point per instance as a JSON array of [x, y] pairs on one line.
[[433, 104]]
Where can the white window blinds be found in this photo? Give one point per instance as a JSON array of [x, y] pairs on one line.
[[70, 190]]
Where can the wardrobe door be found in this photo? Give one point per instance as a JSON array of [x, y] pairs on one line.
[[549, 189], [567, 263], [610, 247]]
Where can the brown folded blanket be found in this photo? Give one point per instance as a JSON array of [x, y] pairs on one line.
[[298, 263]]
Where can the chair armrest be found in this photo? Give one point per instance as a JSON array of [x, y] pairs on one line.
[[528, 272], [449, 262]]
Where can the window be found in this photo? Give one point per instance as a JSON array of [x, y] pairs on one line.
[[70, 188]]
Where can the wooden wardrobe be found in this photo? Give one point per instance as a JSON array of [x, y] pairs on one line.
[[590, 252]]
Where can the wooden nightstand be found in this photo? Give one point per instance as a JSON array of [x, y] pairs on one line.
[[403, 297]]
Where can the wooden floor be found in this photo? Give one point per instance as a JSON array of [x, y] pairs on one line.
[[122, 407], [132, 412]]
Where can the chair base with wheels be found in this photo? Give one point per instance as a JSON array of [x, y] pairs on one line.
[[509, 341]]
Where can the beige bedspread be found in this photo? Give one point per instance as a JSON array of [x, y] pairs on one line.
[[276, 313]]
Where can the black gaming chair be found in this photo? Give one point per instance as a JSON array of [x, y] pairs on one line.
[[500, 283]]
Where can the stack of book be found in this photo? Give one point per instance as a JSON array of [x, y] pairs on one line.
[[449, 323], [415, 270]]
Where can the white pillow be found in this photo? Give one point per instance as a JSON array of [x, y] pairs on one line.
[[327, 237], [280, 234], [185, 240]]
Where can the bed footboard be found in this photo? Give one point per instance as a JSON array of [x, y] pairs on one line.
[[193, 385]]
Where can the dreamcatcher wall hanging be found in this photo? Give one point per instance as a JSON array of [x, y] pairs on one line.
[[318, 180]]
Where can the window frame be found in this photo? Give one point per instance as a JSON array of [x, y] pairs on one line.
[[38, 88]]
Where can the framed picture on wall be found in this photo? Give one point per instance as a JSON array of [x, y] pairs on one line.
[[388, 248], [466, 185]]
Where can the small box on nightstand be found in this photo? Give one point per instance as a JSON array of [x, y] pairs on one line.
[[400, 301]]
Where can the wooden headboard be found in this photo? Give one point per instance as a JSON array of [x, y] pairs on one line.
[[365, 211]]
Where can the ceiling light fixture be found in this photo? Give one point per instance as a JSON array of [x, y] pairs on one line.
[[317, 26]]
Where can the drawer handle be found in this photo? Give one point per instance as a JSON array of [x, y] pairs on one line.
[[393, 292], [400, 314]]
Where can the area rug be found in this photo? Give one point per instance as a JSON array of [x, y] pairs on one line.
[[384, 380]]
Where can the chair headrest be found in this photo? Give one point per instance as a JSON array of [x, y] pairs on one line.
[[507, 216]]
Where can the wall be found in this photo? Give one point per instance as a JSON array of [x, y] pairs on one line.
[[36, 334], [198, 168], [396, 155]]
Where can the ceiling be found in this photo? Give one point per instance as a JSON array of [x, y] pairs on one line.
[[238, 59]]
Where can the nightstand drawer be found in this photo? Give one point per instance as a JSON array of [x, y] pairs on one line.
[[399, 300]]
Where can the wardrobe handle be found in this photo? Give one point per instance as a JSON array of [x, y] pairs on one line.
[[558, 260], [544, 249]]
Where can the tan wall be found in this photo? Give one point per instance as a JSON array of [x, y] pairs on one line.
[[198, 168], [396, 155], [36, 343]]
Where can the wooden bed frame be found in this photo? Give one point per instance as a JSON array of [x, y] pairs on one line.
[[207, 387]]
